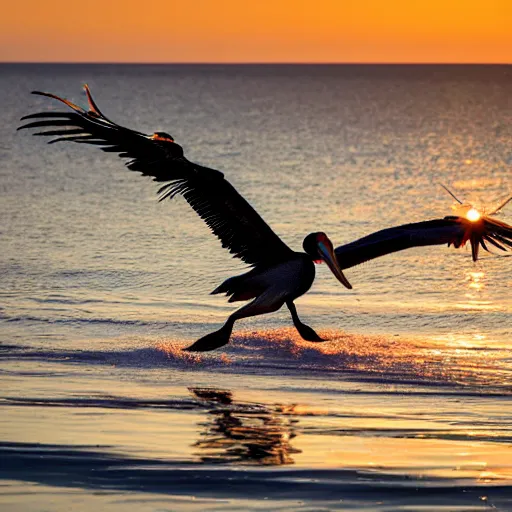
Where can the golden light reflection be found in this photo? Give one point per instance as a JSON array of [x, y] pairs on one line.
[[462, 341], [396, 454], [246, 432], [452, 358], [476, 280], [476, 297]]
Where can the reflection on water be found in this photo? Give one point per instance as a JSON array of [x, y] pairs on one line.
[[476, 280], [237, 432], [476, 298]]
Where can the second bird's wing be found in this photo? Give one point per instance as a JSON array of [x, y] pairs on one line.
[[451, 230], [229, 216]]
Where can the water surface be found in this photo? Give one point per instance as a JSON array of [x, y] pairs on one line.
[[408, 406]]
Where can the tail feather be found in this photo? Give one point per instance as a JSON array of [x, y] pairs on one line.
[[239, 288], [243, 295], [230, 285]]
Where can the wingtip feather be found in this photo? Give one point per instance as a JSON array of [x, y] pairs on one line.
[[76, 108], [475, 245], [92, 104]]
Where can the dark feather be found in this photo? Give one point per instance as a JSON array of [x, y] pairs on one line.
[[503, 240], [54, 122], [51, 133], [493, 242], [451, 230], [229, 216]]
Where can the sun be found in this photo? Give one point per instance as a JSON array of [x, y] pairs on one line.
[[473, 215]]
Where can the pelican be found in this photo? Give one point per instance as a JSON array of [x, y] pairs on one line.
[[279, 275]]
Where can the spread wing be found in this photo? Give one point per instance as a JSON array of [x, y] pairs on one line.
[[454, 231], [229, 216]]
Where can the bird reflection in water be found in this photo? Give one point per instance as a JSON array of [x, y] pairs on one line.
[[239, 432]]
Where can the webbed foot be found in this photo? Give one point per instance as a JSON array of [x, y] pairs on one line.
[[307, 333], [211, 341]]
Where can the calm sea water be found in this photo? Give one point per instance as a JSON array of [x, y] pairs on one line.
[[409, 406]]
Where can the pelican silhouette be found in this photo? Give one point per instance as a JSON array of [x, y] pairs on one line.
[[279, 274]]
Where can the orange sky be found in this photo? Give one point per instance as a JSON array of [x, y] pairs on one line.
[[257, 31]]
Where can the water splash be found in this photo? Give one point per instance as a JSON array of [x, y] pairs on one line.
[[388, 359]]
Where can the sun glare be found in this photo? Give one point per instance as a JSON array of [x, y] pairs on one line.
[[473, 215]]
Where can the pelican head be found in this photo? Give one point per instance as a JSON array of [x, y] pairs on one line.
[[320, 248], [162, 137]]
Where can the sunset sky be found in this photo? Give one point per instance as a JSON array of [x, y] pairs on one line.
[[259, 31]]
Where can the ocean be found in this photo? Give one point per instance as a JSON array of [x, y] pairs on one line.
[[408, 406]]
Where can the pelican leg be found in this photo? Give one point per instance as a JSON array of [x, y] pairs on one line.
[[219, 338], [305, 331]]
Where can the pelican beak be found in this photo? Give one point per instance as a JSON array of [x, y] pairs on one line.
[[327, 252]]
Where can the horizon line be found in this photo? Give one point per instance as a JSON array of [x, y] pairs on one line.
[[262, 63]]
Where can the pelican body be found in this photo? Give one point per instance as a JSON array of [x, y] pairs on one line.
[[274, 286], [278, 275], [270, 288]]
